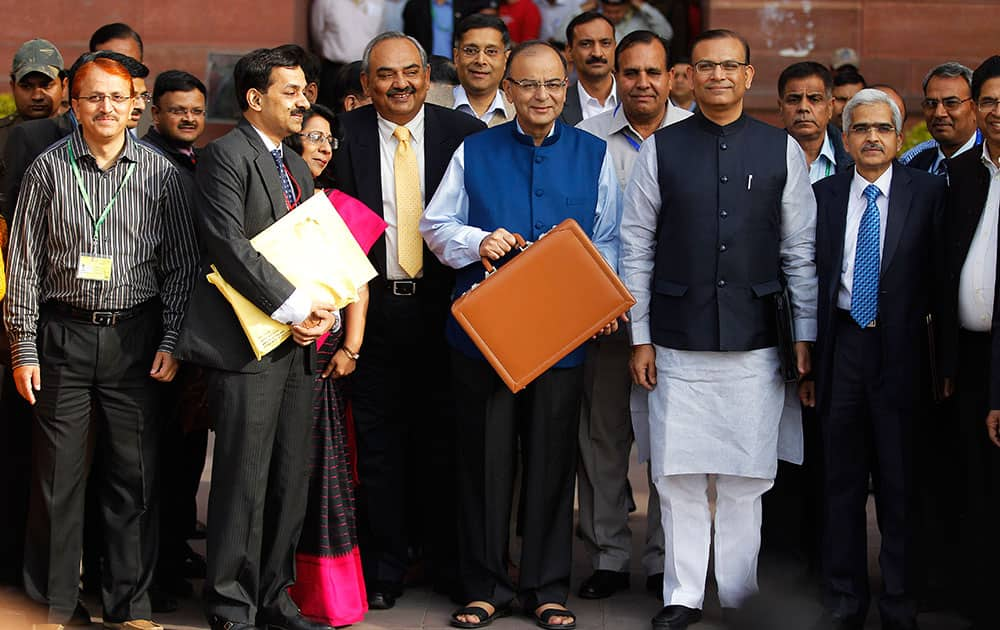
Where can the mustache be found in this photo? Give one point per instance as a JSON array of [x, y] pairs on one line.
[[187, 126], [872, 146], [595, 60], [407, 90]]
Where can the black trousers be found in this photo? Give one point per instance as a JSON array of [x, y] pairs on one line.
[[15, 473], [403, 415], [545, 416], [260, 477], [867, 429], [980, 557], [83, 364]]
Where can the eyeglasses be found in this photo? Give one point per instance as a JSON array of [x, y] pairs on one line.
[[729, 66], [950, 103], [146, 96], [98, 99], [181, 112], [473, 51], [987, 105], [882, 129], [318, 137], [531, 85]]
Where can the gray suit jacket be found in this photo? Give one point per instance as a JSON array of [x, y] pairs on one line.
[[237, 195], [571, 113]]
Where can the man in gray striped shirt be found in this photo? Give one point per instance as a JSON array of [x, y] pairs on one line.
[[103, 257]]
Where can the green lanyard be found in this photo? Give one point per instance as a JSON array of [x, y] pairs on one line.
[[86, 195]]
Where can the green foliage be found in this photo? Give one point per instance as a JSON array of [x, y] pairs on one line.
[[6, 105], [917, 134]]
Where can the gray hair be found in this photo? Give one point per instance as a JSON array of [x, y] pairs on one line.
[[949, 69], [366, 58], [872, 96]]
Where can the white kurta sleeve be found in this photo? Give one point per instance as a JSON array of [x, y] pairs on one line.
[[640, 215], [444, 224], [798, 242]]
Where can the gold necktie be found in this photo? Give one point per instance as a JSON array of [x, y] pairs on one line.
[[409, 244]]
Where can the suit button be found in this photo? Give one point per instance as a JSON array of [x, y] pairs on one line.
[[722, 247], [538, 225], [539, 192], [723, 214], [724, 179], [538, 159], [723, 146], [721, 283]]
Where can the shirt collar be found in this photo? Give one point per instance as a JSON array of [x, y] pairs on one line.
[[987, 162], [81, 149], [268, 143], [827, 150], [523, 133], [416, 127], [859, 183], [619, 121], [462, 98], [971, 142], [613, 97]]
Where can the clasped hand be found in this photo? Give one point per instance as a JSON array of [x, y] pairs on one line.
[[321, 318]]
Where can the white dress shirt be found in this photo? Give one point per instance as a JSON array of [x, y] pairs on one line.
[[342, 28], [971, 142], [825, 163], [555, 14], [978, 280], [856, 205], [590, 106], [387, 144], [496, 108]]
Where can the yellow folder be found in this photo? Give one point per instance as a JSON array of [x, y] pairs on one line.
[[315, 250]]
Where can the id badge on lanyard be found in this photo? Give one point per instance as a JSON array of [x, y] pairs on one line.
[[93, 265]]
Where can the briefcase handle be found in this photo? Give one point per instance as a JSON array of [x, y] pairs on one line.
[[521, 245]]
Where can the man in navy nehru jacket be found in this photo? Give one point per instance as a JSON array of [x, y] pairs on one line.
[[524, 176]]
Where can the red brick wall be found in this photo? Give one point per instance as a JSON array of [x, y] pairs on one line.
[[177, 34], [898, 42]]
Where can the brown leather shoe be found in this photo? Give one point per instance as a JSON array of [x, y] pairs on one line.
[[134, 624]]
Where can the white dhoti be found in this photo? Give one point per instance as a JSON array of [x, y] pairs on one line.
[[716, 413]]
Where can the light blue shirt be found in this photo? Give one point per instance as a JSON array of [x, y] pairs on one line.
[[442, 26], [825, 164]]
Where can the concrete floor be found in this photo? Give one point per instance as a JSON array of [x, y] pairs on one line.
[[789, 609]]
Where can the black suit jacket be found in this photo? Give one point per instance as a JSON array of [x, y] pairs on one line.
[[969, 183], [25, 143], [840, 155], [572, 113], [237, 195], [358, 168], [911, 284]]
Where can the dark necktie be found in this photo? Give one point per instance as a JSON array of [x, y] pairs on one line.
[[286, 183], [864, 291], [942, 168]]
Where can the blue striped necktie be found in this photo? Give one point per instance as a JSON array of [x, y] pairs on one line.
[[867, 262], [286, 184]]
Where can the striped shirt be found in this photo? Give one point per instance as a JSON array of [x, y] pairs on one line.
[[148, 234]]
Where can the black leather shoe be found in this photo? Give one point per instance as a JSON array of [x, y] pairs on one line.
[[218, 623], [654, 585], [381, 601], [603, 583], [675, 617], [276, 621]]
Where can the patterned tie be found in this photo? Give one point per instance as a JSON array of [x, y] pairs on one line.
[[942, 168], [864, 292], [286, 184], [409, 206]]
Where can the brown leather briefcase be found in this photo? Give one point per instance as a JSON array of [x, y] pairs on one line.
[[528, 315]]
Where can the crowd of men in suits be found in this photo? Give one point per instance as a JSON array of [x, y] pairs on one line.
[[885, 361]]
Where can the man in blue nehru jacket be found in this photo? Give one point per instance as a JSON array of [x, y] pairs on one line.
[[524, 176]]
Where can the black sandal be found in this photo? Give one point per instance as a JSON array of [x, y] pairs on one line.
[[485, 618], [542, 618]]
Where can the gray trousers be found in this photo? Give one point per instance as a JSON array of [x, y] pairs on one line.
[[602, 477]]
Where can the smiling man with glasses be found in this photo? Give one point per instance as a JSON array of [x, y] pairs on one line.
[[103, 257], [522, 177], [951, 119], [718, 219], [482, 45]]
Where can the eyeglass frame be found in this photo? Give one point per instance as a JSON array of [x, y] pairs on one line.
[[117, 100], [329, 138], [863, 129], [472, 55], [931, 104], [705, 70], [532, 85], [987, 105]]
